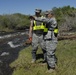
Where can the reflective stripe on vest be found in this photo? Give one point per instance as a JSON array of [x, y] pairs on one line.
[[38, 27]]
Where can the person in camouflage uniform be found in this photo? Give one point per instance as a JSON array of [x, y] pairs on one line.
[[51, 40], [36, 32]]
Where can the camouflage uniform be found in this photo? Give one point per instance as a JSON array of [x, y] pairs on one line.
[[51, 43], [37, 39]]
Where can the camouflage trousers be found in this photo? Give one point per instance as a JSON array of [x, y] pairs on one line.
[[50, 50], [36, 41]]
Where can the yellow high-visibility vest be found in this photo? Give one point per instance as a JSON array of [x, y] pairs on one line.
[[38, 27], [45, 29], [56, 30]]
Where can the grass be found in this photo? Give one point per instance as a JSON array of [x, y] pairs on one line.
[[66, 54]]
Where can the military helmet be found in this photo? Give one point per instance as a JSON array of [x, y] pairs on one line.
[[38, 10], [51, 12]]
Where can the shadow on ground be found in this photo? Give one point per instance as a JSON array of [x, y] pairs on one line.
[[38, 56]]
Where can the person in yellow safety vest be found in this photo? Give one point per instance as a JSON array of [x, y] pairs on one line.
[[36, 32]]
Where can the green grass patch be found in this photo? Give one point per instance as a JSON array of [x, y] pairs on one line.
[[66, 54]]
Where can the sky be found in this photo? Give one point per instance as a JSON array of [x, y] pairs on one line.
[[28, 6]]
